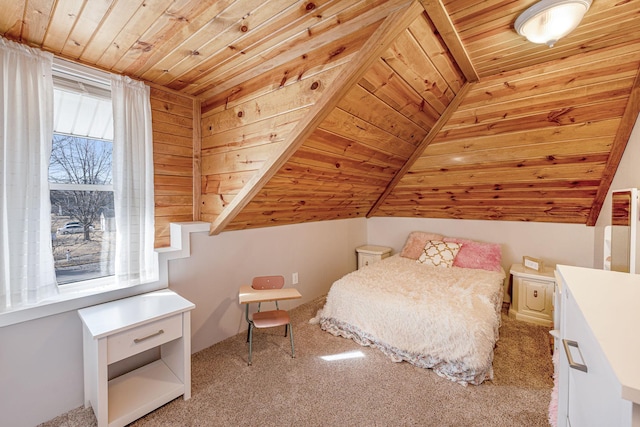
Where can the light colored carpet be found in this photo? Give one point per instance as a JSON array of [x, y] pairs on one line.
[[366, 391]]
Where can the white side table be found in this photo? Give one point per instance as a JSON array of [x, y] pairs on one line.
[[532, 295], [369, 254], [119, 329]]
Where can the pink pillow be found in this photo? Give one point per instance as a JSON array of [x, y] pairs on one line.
[[415, 243], [472, 254]]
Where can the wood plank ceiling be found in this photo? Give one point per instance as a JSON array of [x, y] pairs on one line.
[[325, 109]]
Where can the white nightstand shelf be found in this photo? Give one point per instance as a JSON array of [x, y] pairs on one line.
[[532, 295], [369, 254], [120, 329]]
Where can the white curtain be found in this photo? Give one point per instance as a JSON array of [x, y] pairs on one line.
[[133, 181], [26, 125]]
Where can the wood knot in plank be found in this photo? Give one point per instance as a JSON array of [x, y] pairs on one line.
[[143, 46], [244, 28], [178, 18], [337, 52], [310, 6], [240, 114], [315, 85], [555, 116]]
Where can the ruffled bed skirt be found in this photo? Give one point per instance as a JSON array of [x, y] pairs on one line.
[[453, 371]]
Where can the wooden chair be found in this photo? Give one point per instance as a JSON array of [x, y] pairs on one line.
[[270, 318]]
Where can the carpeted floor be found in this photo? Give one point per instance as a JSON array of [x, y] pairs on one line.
[[365, 391]]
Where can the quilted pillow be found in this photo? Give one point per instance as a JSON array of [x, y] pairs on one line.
[[415, 243], [439, 253], [472, 254]]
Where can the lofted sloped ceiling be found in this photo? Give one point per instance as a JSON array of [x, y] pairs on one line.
[[318, 110]]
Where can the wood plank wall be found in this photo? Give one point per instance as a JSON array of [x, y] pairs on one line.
[[244, 125], [347, 162], [173, 117]]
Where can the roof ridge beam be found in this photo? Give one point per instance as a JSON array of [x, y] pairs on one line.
[[441, 20]]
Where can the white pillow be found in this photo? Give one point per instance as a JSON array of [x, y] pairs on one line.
[[438, 253]]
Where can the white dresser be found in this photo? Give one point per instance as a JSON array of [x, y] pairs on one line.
[[599, 361], [123, 328]]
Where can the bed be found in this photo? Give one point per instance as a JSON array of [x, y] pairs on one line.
[[441, 313]]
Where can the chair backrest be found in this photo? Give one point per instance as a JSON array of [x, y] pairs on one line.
[[268, 282]]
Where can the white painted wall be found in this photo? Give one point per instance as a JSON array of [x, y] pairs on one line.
[[319, 252], [40, 369], [553, 243]]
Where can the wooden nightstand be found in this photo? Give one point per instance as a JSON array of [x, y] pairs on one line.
[[369, 254], [532, 295]]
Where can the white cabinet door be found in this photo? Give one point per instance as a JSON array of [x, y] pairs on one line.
[[594, 396], [536, 296]]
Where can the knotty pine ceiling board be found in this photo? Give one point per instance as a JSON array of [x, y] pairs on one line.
[[486, 29], [517, 132]]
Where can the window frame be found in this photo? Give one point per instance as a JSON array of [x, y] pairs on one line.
[[81, 294], [75, 78]]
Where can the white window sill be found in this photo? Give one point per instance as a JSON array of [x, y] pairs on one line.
[[98, 291]]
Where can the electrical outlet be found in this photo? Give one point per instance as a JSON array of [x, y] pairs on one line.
[[294, 279]]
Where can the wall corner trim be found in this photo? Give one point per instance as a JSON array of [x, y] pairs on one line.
[[180, 237]]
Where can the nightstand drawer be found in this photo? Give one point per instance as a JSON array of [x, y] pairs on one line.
[[367, 259], [143, 337], [370, 254], [536, 296]]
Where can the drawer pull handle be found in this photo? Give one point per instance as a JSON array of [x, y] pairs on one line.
[[535, 294], [155, 334], [572, 363]]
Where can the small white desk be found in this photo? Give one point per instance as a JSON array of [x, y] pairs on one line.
[[119, 329], [248, 295]]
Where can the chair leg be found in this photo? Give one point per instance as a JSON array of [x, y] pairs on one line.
[[286, 328], [293, 355], [250, 342]]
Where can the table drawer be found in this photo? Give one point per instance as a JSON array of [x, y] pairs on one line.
[[143, 337]]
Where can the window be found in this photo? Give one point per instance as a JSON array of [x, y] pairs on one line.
[[80, 178], [89, 107]]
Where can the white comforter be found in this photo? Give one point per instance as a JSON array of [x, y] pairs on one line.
[[446, 319]]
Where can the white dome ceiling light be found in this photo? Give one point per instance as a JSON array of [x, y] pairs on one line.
[[548, 21]]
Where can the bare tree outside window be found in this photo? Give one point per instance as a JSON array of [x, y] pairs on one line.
[[82, 207], [82, 161]]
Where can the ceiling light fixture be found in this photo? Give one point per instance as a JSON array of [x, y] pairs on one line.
[[548, 21]]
